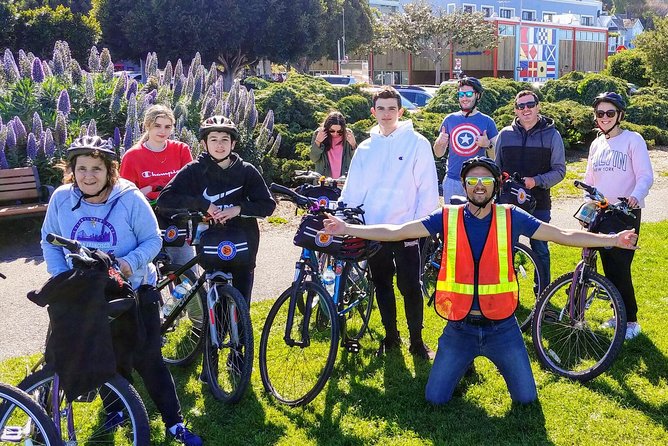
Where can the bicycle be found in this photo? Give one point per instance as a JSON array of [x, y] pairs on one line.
[[528, 274], [79, 420], [571, 329], [301, 333], [23, 421], [225, 313]]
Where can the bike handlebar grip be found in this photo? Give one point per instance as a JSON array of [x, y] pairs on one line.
[[70, 245], [299, 199]]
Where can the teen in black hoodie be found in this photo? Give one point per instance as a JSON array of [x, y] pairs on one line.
[[226, 187]]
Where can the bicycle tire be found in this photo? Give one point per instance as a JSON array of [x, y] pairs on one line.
[[183, 339], [89, 411], [358, 288], [530, 280], [23, 420], [229, 366], [581, 347], [430, 258], [295, 375]]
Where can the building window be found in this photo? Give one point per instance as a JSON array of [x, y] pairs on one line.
[[469, 9], [506, 30], [505, 13], [528, 15], [451, 8], [587, 20], [487, 11], [548, 16]]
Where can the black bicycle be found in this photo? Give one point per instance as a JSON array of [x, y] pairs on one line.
[[580, 320], [86, 418], [23, 421], [220, 322]]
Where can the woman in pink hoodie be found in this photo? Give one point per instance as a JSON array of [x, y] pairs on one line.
[[332, 146]]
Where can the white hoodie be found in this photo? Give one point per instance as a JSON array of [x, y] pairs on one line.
[[393, 177]]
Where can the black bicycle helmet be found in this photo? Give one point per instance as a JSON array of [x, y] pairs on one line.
[[85, 145], [473, 83], [218, 123], [611, 97], [485, 162], [617, 101]]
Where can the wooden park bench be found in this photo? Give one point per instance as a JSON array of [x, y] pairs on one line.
[[22, 194]]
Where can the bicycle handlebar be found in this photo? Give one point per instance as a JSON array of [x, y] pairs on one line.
[[312, 203], [180, 214], [71, 245], [595, 195]]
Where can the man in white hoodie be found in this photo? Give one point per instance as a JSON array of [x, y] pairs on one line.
[[393, 176]]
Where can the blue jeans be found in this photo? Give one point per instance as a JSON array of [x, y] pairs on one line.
[[452, 187], [500, 342], [540, 246]]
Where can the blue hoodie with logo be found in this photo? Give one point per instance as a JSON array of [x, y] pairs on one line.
[[124, 225]]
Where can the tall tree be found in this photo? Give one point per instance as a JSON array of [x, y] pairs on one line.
[[634, 8], [7, 24], [654, 45], [432, 33]]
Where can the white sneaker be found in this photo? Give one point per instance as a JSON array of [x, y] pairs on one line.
[[610, 323], [632, 330]]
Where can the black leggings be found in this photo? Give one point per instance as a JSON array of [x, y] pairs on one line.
[[617, 268], [404, 258]]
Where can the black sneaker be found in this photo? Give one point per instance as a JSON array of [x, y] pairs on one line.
[[421, 350], [183, 435], [387, 344]]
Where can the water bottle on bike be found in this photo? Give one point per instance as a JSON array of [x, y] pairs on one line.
[[328, 278], [178, 293]]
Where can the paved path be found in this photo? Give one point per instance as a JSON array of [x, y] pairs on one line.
[[24, 324]]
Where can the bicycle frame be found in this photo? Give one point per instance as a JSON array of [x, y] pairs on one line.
[[307, 265]]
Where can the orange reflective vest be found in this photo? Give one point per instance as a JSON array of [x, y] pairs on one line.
[[493, 276]]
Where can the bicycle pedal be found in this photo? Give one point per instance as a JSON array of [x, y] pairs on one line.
[[352, 346]]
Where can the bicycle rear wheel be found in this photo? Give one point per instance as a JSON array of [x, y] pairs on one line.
[[23, 421], [182, 340], [357, 300], [229, 364], [295, 372], [90, 413], [530, 283], [571, 337]]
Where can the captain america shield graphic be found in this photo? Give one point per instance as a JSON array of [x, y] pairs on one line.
[[463, 139]]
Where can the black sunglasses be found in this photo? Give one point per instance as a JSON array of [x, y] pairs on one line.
[[339, 132], [528, 105], [608, 113]]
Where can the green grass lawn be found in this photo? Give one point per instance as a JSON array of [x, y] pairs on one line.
[[373, 400]]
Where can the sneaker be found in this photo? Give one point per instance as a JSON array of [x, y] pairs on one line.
[[113, 420], [632, 330], [183, 435], [421, 350], [610, 323], [387, 344]]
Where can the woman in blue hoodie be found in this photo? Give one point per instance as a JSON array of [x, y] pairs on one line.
[[108, 213]]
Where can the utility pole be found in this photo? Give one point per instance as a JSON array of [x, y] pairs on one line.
[[343, 40]]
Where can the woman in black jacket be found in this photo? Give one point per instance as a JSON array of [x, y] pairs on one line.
[[226, 187]]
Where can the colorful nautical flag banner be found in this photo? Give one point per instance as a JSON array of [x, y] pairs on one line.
[[538, 54]]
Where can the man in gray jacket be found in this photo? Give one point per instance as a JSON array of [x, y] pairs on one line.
[[532, 147]]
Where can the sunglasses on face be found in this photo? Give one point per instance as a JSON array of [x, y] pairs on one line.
[[528, 105], [473, 181], [608, 113], [337, 132], [468, 94]]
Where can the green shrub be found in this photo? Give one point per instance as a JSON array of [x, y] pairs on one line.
[[653, 135], [653, 92], [594, 84], [630, 66], [354, 108], [648, 110], [256, 83], [445, 100], [573, 76], [556, 90], [427, 124]]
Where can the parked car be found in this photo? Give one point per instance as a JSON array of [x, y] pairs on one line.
[[417, 95], [405, 103], [132, 75], [338, 80]]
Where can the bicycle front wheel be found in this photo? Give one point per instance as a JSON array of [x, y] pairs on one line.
[[579, 337], [92, 414], [530, 283], [229, 360], [183, 338], [295, 365], [357, 300], [23, 421]]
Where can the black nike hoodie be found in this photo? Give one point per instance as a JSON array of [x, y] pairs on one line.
[[203, 182]]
